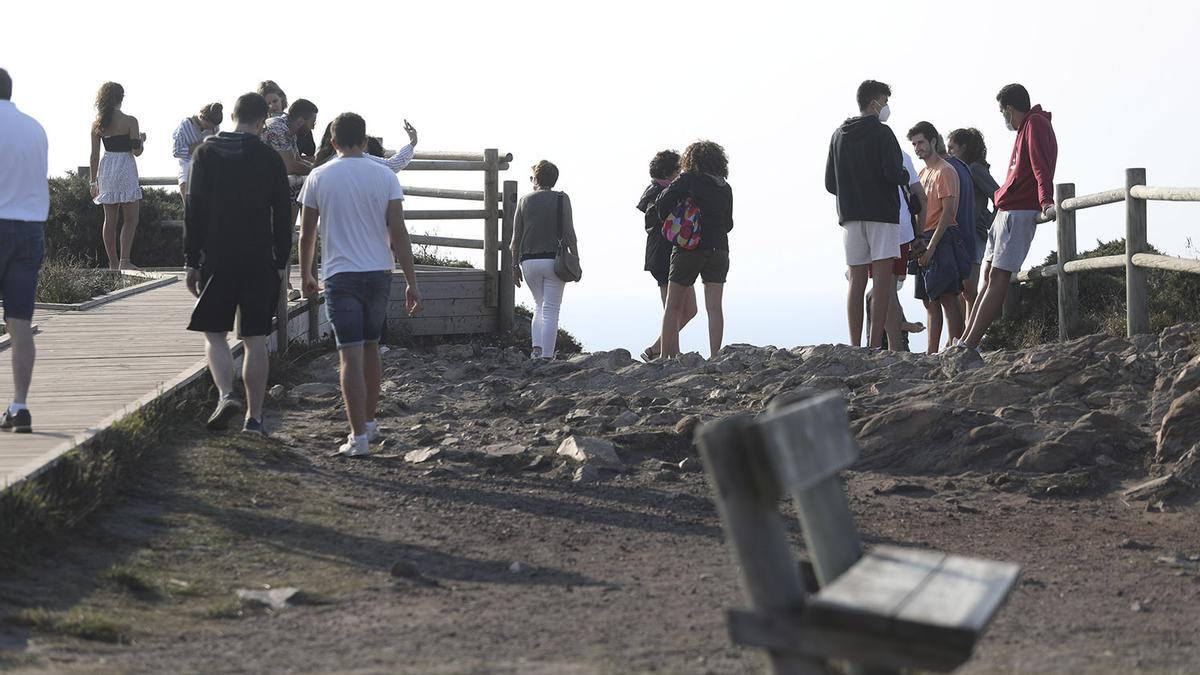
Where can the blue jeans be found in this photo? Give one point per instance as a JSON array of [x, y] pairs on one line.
[[357, 303], [22, 247]]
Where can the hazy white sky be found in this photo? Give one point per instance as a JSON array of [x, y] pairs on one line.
[[598, 89]]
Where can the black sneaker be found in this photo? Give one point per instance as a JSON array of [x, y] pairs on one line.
[[253, 426], [21, 422], [227, 409]]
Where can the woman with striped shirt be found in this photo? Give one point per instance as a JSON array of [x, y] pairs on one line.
[[191, 133]]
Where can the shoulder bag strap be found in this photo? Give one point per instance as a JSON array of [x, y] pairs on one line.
[[559, 217]]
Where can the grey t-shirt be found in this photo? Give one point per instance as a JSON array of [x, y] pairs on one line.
[[535, 228]]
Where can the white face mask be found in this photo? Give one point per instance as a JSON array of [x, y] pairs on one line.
[[884, 113], [1008, 123]]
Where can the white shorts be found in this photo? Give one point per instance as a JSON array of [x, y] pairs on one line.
[[867, 241], [183, 171], [1009, 239]]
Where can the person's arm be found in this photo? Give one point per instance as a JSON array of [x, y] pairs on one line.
[[281, 217], [569, 226], [730, 228], [518, 234], [93, 164], [195, 221], [402, 251], [918, 193], [1043, 155], [398, 161], [181, 149], [308, 250], [293, 164], [949, 199], [982, 179], [670, 198], [138, 141], [893, 162], [831, 170]]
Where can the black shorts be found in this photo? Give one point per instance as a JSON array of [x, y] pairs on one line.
[[253, 290], [711, 265]]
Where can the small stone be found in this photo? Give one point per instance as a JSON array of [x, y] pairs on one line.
[[579, 415], [277, 392], [275, 598], [587, 474], [1138, 606], [665, 476], [1134, 545], [517, 568], [422, 455], [313, 390], [626, 419], [405, 569], [590, 450], [690, 465], [555, 405], [504, 449], [685, 426]]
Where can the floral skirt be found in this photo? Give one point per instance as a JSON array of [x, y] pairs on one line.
[[118, 179]]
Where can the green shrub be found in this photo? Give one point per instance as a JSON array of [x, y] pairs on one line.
[[73, 230], [69, 280], [1174, 298]]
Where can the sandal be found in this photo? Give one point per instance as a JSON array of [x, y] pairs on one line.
[[649, 355], [917, 327]]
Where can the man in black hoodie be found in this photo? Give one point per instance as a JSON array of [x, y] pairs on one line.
[[863, 171], [237, 243]]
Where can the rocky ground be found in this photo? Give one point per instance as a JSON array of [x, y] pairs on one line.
[[553, 517]]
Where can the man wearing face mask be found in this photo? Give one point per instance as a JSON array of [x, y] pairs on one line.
[[1027, 193], [863, 171]]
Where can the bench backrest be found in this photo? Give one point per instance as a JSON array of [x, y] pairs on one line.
[[807, 443]]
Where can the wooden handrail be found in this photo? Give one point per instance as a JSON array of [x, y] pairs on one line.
[[454, 165], [445, 214], [1165, 262], [460, 156], [1166, 194], [443, 193], [451, 242], [1094, 199], [1104, 262]]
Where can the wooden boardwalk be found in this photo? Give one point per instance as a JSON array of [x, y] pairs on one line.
[[95, 366]]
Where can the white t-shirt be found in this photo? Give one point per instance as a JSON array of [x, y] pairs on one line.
[[905, 232], [352, 195], [24, 190]]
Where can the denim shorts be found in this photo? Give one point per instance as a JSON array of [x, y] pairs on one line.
[[22, 247], [357, 303]]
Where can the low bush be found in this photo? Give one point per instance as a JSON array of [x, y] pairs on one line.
[[1174, 298], [68, 280]]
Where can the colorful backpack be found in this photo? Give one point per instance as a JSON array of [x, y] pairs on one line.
[[682, 227]]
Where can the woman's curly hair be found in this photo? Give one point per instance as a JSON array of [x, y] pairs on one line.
[[971, 140], [664, 164], [108, 99], [705, 157]]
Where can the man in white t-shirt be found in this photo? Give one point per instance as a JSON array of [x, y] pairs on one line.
[[360, 207]]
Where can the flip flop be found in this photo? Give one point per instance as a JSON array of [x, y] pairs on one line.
[[649, 355], [917, 327]]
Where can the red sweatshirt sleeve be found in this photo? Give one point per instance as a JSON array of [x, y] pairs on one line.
[[1043, 157]]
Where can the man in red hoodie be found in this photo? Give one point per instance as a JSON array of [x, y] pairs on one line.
[[1027, 193]]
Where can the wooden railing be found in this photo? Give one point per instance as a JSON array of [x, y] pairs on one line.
[[1136, 260], [498, 212]]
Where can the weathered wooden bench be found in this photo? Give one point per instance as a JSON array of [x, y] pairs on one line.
[[890, 608]]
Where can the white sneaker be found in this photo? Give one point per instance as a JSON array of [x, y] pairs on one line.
[[372, 431], [355, 446]]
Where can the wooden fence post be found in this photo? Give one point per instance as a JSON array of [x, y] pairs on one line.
[[1137, 308], [1068, 284], [747, 499], [508, 291], [491, 225]]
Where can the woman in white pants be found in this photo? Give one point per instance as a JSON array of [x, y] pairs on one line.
[[543, 219]]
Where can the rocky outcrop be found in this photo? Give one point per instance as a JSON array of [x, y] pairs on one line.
[[1091, 405]]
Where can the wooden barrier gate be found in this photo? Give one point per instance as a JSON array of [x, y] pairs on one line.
[[456, 300], [1136, 259]]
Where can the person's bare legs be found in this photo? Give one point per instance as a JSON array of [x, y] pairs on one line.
[[933, 314], [716, 316], [970, 290], [883, 287], [24, 353], [990, 305], [256, 365], [220, 362], [372, 378], [354, 388], [687, 311], [854, 302], [894, 325], [985, 273], [109, 234], [131, 212], [952, 308], [669, 339]]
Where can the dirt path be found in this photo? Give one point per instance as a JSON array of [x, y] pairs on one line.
[[474, 565]]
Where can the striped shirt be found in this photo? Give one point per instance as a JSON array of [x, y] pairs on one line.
[[398, 161], [186, 135]]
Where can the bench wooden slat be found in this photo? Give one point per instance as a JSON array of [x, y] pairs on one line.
[[809, 441], [964, 594], [917, 595]]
